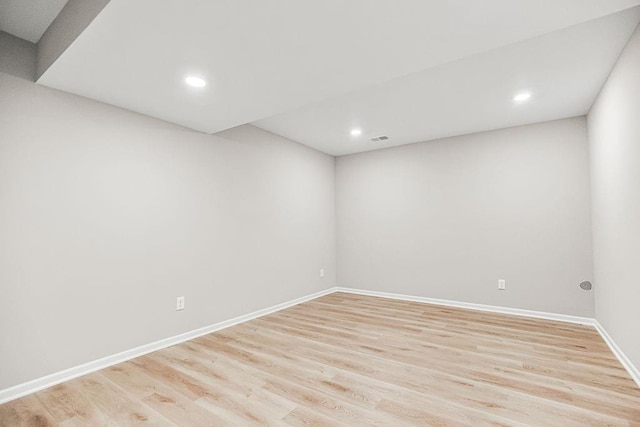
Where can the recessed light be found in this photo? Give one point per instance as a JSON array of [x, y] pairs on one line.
[[195, 81], [356, 132], [522, 96]]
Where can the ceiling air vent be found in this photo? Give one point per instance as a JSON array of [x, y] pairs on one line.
[[380, 138]]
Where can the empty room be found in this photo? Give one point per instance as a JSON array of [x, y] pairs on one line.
[[329, 212]]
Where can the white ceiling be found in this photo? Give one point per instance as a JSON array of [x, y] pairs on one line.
[[28, 19], [563, 70], [263, 58]]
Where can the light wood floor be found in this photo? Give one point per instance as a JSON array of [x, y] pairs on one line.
[[355, 360]]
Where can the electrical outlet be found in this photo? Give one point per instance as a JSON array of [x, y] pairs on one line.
[[179, 303], [502, 284], [322, 272]]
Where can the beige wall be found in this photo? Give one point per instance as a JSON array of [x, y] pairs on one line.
[[447, 219], [107, 216], [614, 136]]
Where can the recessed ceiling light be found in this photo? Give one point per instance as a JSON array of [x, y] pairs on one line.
[[356, 132], [195, 81], [522, 96]]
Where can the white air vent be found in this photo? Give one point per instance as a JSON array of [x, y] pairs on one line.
[[380, 138]]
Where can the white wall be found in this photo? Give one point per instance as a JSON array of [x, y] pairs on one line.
[[107, 216], [614, 137], [448, 218]]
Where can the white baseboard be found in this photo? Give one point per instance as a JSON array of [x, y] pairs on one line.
[[624, 360], [38, 384], [471, 306]]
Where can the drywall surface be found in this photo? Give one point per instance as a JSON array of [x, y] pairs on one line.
[[17, 57], [448, 218], [74, 17], [107, 216], [614, 138]]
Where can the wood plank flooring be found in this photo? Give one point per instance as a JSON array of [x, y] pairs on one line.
[[345, 359]]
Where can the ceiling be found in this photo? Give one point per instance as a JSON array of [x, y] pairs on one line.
[[563, 71], [311, 70], [28, 19]]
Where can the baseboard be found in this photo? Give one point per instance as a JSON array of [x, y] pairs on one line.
[[624, 360], [38, 384], [471, 306]]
